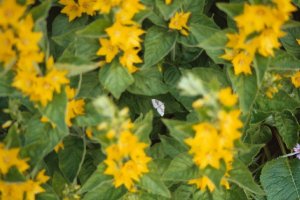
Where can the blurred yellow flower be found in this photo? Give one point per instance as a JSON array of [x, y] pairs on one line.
[[126, 160], [296, 79], [168, 2], [205, 182], [10, 158], [75, 107], [227, 98], [10, 13]]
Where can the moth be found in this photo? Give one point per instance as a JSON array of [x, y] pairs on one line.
[[159, 106]]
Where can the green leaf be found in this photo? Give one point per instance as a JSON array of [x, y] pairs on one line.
[[281, 101], [171, 146], [181, 168], [179, 130], [281, 179], [258, 134], [40, 139], [74, 70], [143, 127], [40, 12], [231, 9], [203, 28], [248, 154], [70, 157], [105, 192], [55, 111], [148, 82], [288, 128], [95, 29], [91, 117], [154, 185], [97, 179], [5, 85], [115, 78], [246, 87], [158, 43], [80, 51], [289, 41], [261, 65], [283, 61], [168, 10], [241, 176], [90, 85], [63, 31], [214, 44]]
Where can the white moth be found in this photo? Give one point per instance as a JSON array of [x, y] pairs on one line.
[[159, 106]]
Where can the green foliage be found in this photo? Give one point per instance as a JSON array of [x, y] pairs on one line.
[[176, 70], [280, 179]]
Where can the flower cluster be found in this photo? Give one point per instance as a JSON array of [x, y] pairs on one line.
[[126, 160], [18, 190], [22, 52], [272, 84], [76, 8], [179, 22], [123, 35], [214, 139], [259, 28]]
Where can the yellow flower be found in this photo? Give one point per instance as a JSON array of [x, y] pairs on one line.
[[40, 88], [236, 40], [107, 49], [179, 22], [285, 7], [205, 182], [27, 39], [296, 79], [28, 60], [168, 2], [74, 107], [71, 8], [10, 158], [125, 37], [129, 58], [242, 63], [298, 41], [89, 133], [105, 6], [126, 160], [56, 79], [255, 18], [230, 123], [202, 146], [268, 40], [227, 98], [7, 40], [28, 188], [128, 8], [259, 30], [87, 6], [10, 12]]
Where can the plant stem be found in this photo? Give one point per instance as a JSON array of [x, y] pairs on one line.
[[279, 140], [267, 153]]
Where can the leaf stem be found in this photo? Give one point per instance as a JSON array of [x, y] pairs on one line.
[[279, 140], [267, 152], [82, 159]]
